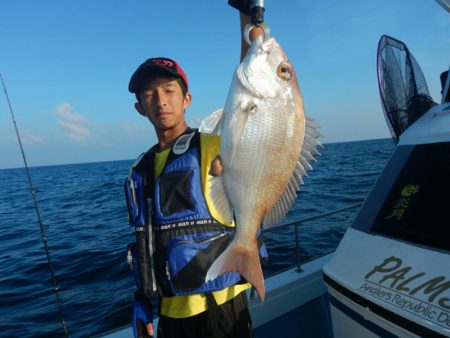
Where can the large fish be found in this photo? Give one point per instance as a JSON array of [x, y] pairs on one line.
[[266, 146]]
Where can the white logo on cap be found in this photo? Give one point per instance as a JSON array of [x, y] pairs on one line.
[[183, 143]]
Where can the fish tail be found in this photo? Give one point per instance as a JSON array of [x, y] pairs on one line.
[[243, 259]]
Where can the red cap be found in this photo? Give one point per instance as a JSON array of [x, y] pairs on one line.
[[152, 65]]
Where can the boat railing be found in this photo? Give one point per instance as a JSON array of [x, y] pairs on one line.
[[296, 224]]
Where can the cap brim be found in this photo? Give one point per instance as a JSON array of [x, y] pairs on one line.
[[148, 72]]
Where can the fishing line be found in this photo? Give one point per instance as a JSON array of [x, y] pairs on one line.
[[38, 215]]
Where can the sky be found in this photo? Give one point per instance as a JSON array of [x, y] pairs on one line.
[[66, 65]]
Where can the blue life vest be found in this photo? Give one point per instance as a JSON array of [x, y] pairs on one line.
[[187, 238]]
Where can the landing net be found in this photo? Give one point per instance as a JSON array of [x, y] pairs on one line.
[[403, 89]]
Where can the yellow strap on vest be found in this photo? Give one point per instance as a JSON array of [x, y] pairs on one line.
[[187, 306]]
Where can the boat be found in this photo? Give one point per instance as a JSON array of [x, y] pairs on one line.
[[390, 276]]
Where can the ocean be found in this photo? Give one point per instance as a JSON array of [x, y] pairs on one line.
[[84, 216]]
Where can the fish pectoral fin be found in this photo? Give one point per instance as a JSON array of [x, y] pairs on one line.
[[211, 124], [237, 127], [241, 259], [308, 154], [220, 200]]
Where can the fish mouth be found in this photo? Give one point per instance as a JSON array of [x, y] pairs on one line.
[[269, 44]]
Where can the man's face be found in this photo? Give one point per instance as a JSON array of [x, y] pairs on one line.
[[163, 103]]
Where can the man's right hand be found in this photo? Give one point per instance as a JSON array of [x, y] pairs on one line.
[[242, 6], [142, 318], [149, 328]]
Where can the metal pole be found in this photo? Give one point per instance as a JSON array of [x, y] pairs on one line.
[[296, 230], [297, 249]]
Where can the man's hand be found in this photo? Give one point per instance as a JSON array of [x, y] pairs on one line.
[[142, 318], [149, 328], [216, 167]]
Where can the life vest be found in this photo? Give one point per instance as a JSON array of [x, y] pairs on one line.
[[187, 238]]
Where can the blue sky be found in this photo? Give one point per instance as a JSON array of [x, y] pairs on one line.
[[67, 64]]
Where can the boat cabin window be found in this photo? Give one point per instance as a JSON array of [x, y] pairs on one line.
[[411, 199]]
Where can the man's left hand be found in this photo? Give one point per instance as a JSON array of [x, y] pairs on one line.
[[216, 167]]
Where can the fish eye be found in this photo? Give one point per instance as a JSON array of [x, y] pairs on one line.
[[284, 71]]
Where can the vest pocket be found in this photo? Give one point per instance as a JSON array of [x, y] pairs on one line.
[[189, 258], [175, 192], [136, 203]]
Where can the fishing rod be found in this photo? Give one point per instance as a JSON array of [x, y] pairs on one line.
[[38, 215]]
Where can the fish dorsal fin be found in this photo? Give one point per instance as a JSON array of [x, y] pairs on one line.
[[308, 154], [287, 198], [211, 124], [220, 200]]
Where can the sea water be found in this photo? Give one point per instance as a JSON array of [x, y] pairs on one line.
[[85, 221]]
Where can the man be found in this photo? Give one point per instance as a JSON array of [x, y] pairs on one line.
[[172, 180]]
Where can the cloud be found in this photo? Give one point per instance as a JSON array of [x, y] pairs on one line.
[[75, 125], [29, 137]]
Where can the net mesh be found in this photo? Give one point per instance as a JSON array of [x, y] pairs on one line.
[[403, 88]]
